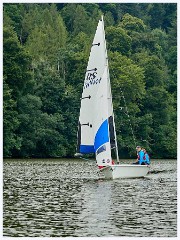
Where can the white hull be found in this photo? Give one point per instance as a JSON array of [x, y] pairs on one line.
[[124, 171]]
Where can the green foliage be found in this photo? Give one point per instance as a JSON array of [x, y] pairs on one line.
[[39, 130], [45, 54], [16, 62], [16, 13], [109, 19], [47, 35], [123, 69], [77, 19], [118, 40], [131, 23], [80, 20], [10, 122]]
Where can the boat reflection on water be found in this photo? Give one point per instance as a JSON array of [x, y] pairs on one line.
[[96, 210]]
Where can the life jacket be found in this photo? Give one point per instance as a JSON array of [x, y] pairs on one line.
[[147, 161], [142, 157]]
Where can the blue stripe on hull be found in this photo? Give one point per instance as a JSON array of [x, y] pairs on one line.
[[102, 135], [87, 149]]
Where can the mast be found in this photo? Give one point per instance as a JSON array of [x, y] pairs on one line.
[[116, 146]]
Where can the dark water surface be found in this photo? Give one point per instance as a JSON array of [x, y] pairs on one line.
[[58, 198]]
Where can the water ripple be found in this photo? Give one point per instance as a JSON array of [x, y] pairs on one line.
[[60, 198]]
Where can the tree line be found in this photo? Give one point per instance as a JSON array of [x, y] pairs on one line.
[[45, 54]]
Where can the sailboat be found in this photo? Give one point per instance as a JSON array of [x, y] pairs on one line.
[[96, 127]]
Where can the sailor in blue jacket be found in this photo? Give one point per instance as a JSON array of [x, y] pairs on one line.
[[146, 157], [140, 156]]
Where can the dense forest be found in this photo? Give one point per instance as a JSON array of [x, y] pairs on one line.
[[45, 54]]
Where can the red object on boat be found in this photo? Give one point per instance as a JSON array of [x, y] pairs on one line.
[[100, 167]]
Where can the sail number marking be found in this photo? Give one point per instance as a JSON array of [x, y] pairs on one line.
[[91, 79]]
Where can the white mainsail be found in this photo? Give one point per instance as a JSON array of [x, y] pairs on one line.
[[96, 130]]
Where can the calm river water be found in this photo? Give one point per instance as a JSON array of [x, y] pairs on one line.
[[59, 198]]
